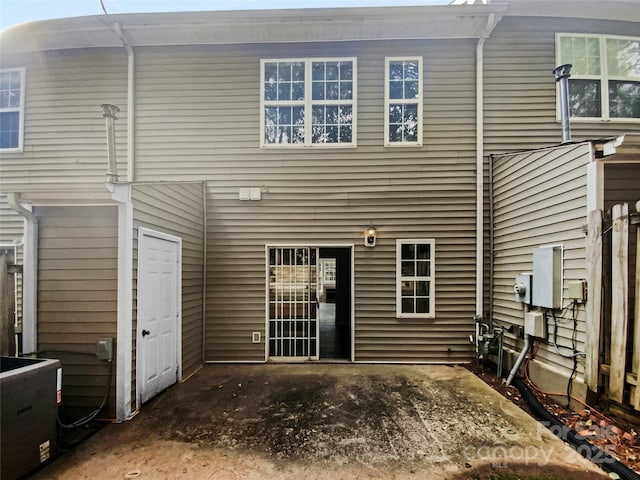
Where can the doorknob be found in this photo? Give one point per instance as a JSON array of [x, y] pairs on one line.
[[145, 333]]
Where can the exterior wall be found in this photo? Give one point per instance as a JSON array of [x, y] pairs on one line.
[[77, 297], [64, 139], [176, 209], [208, 126], [539, 198], [520, 90]]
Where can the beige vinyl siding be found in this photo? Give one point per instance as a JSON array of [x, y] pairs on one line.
[[520, 90], [77, 298], [198, 117], [64, 139], [539, 198], [176, 209]]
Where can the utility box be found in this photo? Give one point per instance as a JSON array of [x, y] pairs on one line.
[[522, 288], [547, 277], [534, 324]]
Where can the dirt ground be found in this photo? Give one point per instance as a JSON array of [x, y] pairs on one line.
[[329, 421]]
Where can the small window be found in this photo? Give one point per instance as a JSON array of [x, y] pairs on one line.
[[605, 75], [403, 101], [415, 278], [11, 109], [308, 102]]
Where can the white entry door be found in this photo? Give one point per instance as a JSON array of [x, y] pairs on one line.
[[159, 320]]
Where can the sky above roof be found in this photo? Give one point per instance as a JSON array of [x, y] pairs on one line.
[[13, 12]]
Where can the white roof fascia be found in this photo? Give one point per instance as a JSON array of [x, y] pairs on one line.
[[253, 26]]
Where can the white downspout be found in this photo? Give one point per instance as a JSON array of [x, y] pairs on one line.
[[131, 107], [29, 276], [492, 21]]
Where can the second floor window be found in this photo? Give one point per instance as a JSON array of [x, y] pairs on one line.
[[308, 102], [11, 109], [403, 101], [605, 75]]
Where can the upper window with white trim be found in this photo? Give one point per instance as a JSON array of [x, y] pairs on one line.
[[415, 278], [605, 75], [11, 109], [308, 102], [403, 101]]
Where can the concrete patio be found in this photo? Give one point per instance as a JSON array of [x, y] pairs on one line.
[[342, 421]]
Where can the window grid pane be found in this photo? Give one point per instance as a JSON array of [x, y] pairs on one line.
[[9, 129], [326, 116], [11, 96], [604, 77], [415, 281], [403, 122]]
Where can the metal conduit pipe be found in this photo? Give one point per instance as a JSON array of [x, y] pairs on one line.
[[523, 354]]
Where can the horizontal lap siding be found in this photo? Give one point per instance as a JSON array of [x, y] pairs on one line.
[[539, 198], [207, 126], [77, 297], [520, 90], [176, 209], [64, 140]]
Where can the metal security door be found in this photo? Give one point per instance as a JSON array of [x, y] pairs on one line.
[[158, 313], [293, 323]]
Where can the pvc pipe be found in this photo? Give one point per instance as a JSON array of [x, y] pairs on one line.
[[523, 354]]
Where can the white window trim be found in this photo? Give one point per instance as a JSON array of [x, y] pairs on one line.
[[19, 109], [400, 278], [604, 78], [419, 101], [308, 102]]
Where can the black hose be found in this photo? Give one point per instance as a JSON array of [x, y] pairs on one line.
[[89, 417], [582, 446]]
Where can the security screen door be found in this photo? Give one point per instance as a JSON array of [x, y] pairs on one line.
[[293, 321]]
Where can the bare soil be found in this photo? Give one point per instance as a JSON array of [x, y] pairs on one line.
[[324, 421]]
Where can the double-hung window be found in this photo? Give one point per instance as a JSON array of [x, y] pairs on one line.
[[11, 109], [403, 101], [415, 278], [605, 75], [308, 102]]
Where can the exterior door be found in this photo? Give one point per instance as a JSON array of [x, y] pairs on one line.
[[158, 312], [293, 321]]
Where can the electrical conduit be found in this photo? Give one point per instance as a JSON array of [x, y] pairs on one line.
[[523, 354]]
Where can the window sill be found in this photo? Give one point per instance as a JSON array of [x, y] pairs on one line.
[[297, 146]]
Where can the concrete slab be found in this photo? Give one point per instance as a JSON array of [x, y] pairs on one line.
[[325, 421]]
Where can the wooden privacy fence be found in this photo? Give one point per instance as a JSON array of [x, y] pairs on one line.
[[613, 312]]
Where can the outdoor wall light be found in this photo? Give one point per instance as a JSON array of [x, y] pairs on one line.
[[370, 236]]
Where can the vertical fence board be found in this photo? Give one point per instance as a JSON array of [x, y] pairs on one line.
[[620, 300], [636, 318], [594, 313]]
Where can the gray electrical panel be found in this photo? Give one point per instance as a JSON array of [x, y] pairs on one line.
[[547, 277]]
